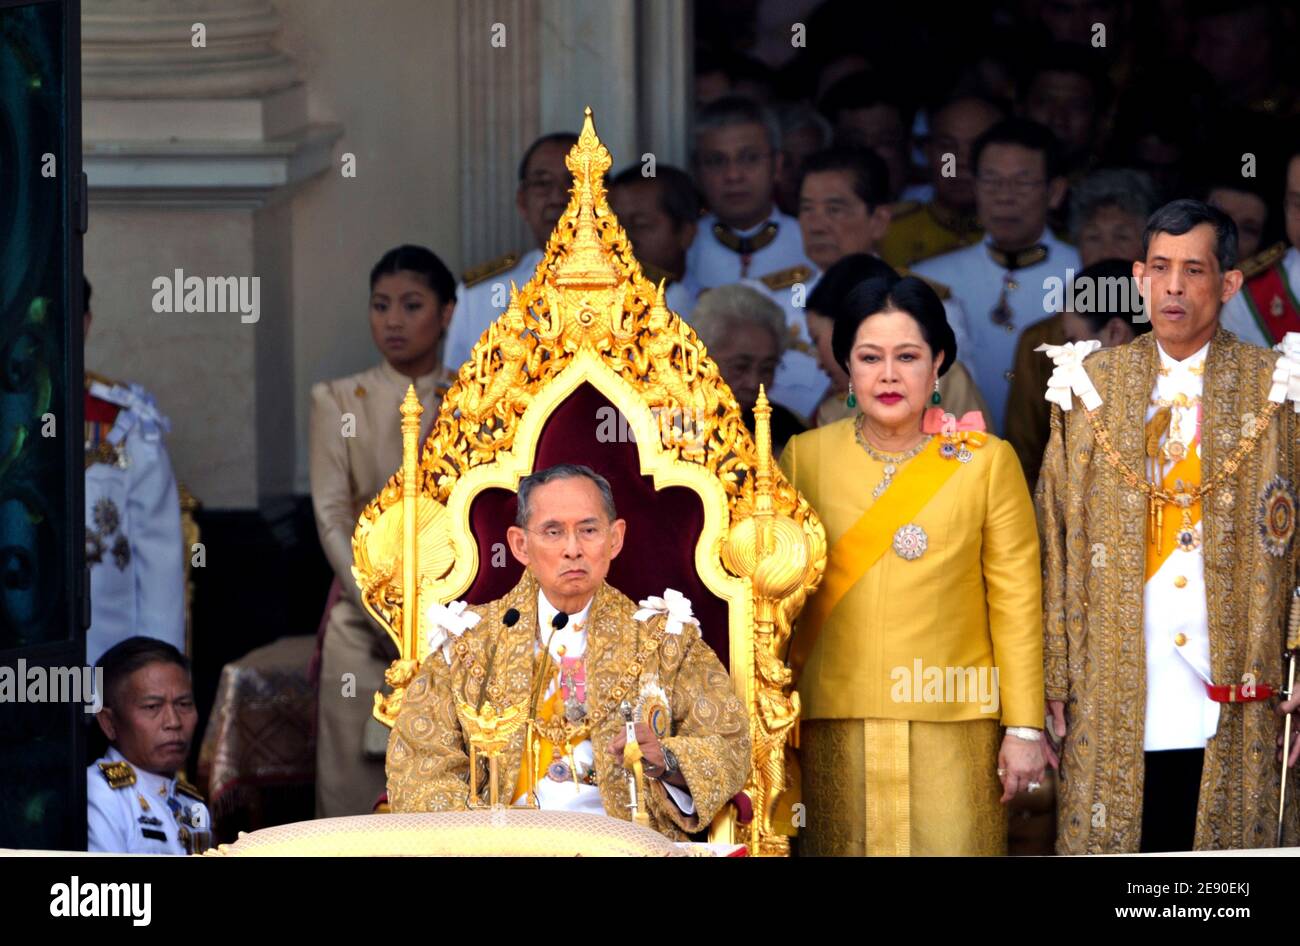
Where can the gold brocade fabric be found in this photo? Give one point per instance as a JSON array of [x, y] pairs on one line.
[[895, 788], [428, 763], [1093, 528]]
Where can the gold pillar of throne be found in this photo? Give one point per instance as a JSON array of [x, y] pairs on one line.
[[588, 365]]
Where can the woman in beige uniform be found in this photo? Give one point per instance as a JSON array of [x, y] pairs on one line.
[[356, 445]]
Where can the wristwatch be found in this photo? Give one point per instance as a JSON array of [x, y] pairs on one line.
[[671, 766]]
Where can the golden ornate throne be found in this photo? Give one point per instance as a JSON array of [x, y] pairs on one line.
[[587, 365]]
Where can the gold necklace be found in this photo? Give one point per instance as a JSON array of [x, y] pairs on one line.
[[1158, 497], [891, 461]]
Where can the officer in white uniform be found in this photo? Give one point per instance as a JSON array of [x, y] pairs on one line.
[[843, 211], [1268, 304], [136, 802], [737, 161], [134, 547], [132, 811], [1240, 316], [484, 291], [1002, 281], [661, 214]]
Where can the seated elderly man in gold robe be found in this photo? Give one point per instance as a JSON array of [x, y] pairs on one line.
[[578, 655]]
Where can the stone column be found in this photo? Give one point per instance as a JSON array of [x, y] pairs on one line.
[[195, 132], [628, 59]]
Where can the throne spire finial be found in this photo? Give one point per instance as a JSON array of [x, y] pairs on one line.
[[588, 263]]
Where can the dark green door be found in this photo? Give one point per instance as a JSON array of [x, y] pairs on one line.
[[42, 588]]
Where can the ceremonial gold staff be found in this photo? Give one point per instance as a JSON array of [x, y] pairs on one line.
[[632, 759], [1292, 645]]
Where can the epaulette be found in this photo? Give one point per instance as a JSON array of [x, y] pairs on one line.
[[502, 264], [117, 774], [1261, 261], [942, 291], [785, 278], [185, 788], [903, 208]]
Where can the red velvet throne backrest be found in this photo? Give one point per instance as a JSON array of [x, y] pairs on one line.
[[663, 526]]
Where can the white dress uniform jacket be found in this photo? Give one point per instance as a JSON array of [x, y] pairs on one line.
[[479, 301], [713, 263], [131, 811], [978, 282], [134, 547]]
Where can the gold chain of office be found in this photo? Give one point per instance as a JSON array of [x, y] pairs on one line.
[[1194, 492], [617, 693]]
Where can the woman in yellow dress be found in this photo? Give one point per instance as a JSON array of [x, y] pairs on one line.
[[919, 661]]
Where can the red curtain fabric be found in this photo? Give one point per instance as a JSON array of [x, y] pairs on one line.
[[662, 526]]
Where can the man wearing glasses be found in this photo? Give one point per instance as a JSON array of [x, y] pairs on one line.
[[1267, 307], [744, 235], [484, 291], [1002, 281], [577, 655]]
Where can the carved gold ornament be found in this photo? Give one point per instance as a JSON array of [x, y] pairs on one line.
[[589, 315]]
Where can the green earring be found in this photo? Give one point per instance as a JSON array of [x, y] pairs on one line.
[[852, 398], [936, 397]]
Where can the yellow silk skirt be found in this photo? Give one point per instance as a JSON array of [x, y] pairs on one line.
[[901, 787]]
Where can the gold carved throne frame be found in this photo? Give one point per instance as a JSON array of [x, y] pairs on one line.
[[589, 319]]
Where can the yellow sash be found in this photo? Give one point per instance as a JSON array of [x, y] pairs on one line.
[[549, 709], [866, 540], [1188, 469]]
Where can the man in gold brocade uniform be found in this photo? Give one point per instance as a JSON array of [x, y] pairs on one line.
[[1167, 503], [571, 651]]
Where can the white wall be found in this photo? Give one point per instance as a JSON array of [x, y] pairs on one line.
[[386, 72]]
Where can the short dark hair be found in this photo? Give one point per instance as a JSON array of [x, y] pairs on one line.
[[909, 294], [730, 110], [126, 657], [865, 89], [1026, 133], [1179, 216], [1130, 307], [841, 278], [566, 138], [1074, 59], [561, 471], [867, 172], [421, 260], [677, 194]]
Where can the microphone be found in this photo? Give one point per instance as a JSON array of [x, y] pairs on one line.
[[510, 618], [557, 623]]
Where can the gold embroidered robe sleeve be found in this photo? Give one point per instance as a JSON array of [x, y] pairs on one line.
[[1094, 541], [1050, 501], [428, 767], [710, 730]]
